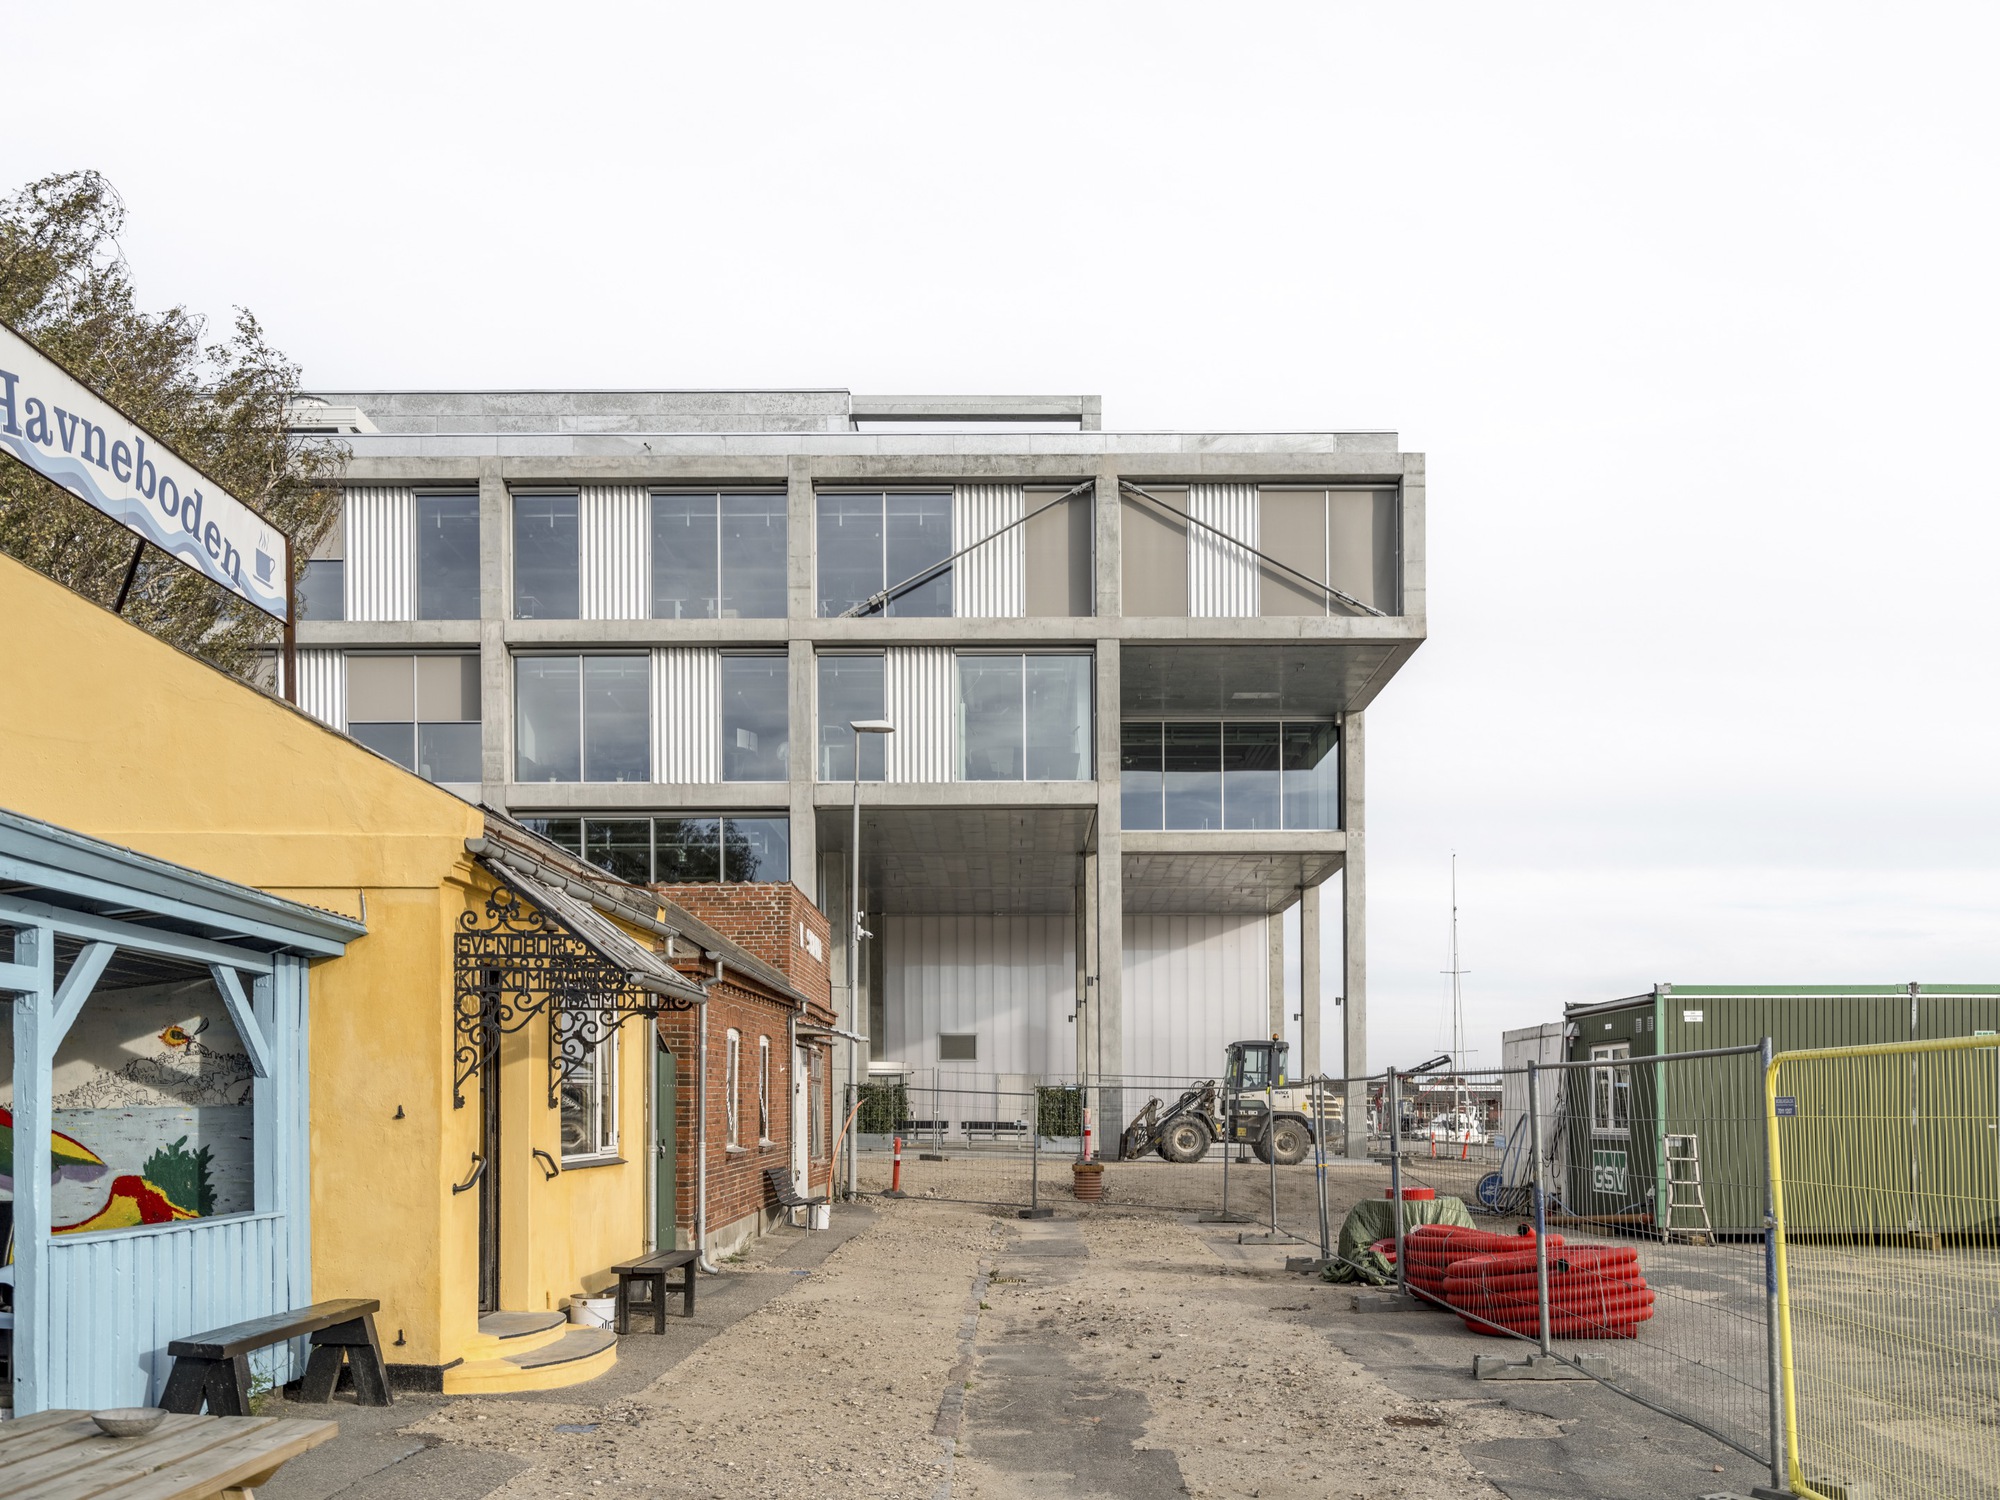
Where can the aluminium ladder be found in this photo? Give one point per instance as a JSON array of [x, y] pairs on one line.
[[1684, 1191]]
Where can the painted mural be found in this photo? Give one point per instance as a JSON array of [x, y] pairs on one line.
[[152, 1111]]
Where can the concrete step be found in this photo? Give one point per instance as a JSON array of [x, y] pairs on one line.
[[506, 1333], [577, 1355]]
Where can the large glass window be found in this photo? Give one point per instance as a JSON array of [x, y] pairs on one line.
[[582, 718], [992, 724], [323, 590], [718, 556], [1229, 774], [756, 718], [1024, 717], [677, 850], [1139, 774], [869, 543], [420, 711], [546, 574], [1312, 776], [447, 557], [1192, 754], [850, 688]]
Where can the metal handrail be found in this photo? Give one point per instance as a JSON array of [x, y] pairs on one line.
[[478, 1171]]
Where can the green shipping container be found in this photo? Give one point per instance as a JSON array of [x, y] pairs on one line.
[[1617, 1129]]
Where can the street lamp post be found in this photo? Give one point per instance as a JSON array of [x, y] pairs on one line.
[[855, 933]]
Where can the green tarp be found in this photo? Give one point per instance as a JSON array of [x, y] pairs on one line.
[[1375, 1219]]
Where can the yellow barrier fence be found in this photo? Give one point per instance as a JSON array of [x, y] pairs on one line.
[[1885, 1174]]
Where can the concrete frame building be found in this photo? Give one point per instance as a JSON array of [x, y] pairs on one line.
[[1128, 674]]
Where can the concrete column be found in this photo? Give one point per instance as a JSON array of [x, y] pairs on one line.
[[1309, 982], [803, 690], [1107, 1025], [496, 667], [1105, 531], [801, 547], [1354, 936], [1274, 932], [1085, 1009]]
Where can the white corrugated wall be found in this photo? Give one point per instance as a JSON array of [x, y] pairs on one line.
[[1222, 576], [687, 713], [613, 528], [323, 686], [1011, 981], [919, 695], [1193, 984], [381, 544], [988, 579]]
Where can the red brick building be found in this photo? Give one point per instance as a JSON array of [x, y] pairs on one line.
[[764, 1099]]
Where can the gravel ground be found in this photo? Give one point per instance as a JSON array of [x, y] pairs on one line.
[[1122, 1352]]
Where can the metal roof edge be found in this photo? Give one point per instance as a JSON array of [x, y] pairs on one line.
[[91, 859]]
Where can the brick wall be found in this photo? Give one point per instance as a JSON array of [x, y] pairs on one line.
[[736, 1188], [774, 922]]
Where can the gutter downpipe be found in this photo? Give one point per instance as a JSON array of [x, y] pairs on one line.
[[701, 1129]]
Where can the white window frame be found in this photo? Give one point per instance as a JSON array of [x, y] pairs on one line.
[[596, 1086], [1611, 1091], [732, 1086], [763, 1091]]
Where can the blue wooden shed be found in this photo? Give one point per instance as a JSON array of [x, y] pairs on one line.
[[160, 1160]]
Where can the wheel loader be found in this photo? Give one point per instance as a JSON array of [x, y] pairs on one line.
[[1253, 1107]]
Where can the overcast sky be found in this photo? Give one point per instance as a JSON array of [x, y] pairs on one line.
[[1691, 307]]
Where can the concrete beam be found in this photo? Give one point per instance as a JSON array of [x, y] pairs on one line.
[[1316, 844], [608, 796]]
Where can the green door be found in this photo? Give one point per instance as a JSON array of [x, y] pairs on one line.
[[663, 1149]]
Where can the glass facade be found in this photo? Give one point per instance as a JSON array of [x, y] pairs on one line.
[[756, 718], [1250, 774], [850, 688], [868, 543], [582, 718], [422, 712], [447, 557], [718, 556], [546, 576], [677, 850], [1024, 718]]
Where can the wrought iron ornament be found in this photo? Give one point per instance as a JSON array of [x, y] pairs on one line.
[[516, 963]]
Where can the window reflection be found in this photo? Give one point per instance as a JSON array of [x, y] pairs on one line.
[[1249, 774]]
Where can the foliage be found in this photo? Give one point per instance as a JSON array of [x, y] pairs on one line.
[[183, 1176], [884, 1108], [65, 286], [1058, 1111]]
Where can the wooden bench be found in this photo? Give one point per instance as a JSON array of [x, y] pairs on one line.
[[653, 1270], [780, 1184], [215, 1367]]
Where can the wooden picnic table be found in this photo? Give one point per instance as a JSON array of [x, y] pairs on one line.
[[62, 1455]]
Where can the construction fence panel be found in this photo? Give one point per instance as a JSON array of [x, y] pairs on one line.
[[966, 1140], [1652, 1175], [1885, 1168]]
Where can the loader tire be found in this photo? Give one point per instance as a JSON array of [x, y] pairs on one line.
[[1185, 1141], [1290, 1142]]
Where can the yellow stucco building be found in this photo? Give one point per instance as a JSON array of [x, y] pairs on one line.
[[109, 732]]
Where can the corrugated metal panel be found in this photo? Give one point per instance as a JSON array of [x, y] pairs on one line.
[[381, 545], [1222, 576], [613, 530], [323, 686], [989, 578], [687, 713], [1193, 984], [1010, 981], [919, 693]]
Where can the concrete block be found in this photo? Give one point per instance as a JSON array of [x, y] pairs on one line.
[[1538, 1366], [1384, 1300]]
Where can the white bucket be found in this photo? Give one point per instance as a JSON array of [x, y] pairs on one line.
[[593, 1312], [819, 1216]]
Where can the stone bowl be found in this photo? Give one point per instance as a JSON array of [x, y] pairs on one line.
[[129, 1421]]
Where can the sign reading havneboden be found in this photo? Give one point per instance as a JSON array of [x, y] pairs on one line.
[[75, 438]]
